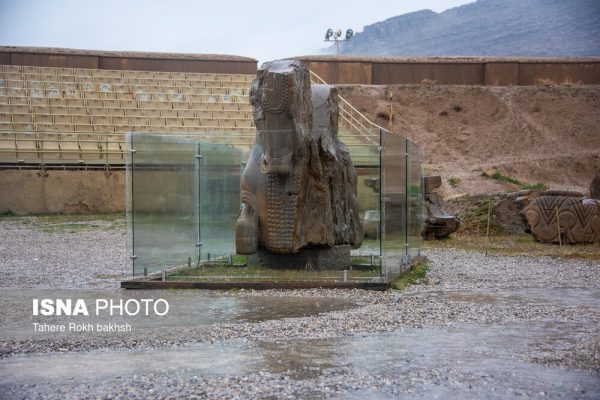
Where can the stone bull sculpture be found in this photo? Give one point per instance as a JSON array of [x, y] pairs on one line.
[[299, 203]]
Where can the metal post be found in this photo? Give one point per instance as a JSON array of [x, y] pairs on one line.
[[391, 111], [198, 210], [381, 232], [406, 200], [131, 194], [106, 152], [487, 234], [558, 226]]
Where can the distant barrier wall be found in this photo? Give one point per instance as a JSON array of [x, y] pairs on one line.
[[26, 192], [493, 72], [131, 61]]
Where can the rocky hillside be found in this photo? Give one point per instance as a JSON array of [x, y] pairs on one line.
[[548, 135], [487, 28]]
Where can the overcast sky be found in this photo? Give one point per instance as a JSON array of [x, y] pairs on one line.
[[265, 29]]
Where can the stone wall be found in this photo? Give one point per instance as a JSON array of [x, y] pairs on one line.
[[30, 192]]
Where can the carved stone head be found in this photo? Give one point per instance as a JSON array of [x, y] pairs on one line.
[[282, 111]]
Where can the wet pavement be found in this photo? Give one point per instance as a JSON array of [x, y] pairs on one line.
[[484, 362], [478, 327], [458, 360], [187, 308]]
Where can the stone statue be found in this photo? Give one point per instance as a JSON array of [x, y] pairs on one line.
[[299, 202], [577, 217], [438, 223]]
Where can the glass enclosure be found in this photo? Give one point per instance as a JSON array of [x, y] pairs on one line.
[[183, 199]]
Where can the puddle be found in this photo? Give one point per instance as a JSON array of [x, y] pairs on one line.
[[570, 297], [186, 308], [488, 362]]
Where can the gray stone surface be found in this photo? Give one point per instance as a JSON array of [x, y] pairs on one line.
[[333, 258]]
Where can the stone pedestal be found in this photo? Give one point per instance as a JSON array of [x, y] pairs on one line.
[[310, 258]]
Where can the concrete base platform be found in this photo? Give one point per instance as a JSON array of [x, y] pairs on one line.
[[159, 285]]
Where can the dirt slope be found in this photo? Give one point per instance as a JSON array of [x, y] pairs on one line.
[[548, 134]]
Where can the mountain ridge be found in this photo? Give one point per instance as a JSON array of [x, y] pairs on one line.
[[538, 28]]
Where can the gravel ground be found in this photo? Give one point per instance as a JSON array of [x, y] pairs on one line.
[[33, 258], [464, 291]]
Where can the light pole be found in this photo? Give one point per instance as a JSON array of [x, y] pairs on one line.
[[336, 38]]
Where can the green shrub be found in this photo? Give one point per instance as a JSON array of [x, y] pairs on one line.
[[454, 181], [7, 213], [417, 274], [497, 175]]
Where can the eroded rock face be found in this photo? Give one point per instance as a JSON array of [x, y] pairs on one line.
[[299, 185], [577, 217], [506, 213]]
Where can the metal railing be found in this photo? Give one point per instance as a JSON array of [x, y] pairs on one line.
[[353, 118]]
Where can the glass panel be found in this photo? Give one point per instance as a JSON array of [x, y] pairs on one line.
[[366, 160], [164, 188], [394, 178], [220, 172], [415, 199]]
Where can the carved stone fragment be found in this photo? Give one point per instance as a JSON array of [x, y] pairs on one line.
[[438, 223], [574, 218]]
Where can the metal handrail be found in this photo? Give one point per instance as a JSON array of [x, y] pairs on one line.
[[360, 122]]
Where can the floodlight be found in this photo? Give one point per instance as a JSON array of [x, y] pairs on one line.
[[334, 36]]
